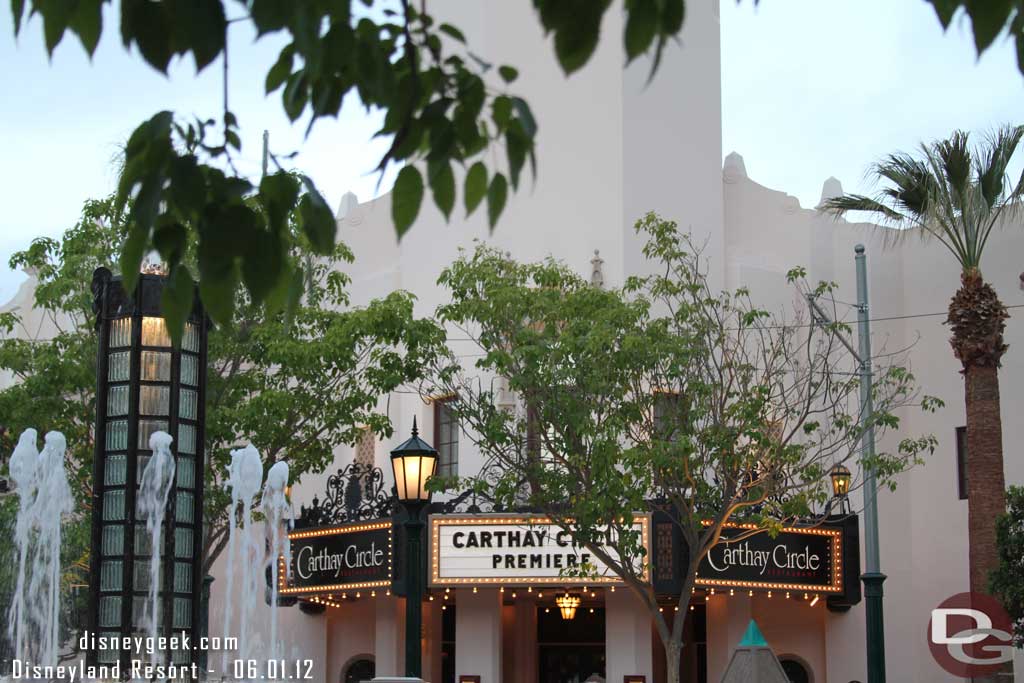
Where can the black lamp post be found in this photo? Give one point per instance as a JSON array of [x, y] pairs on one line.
[[413, 463], [144, 384]]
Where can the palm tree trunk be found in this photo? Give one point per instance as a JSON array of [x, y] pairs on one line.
[[978, 319], [986, 498]]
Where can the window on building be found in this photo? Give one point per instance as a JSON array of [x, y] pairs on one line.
[[796, 670], [961, 462], [669, 413], [360, 670], [446, 438], [366, 448]]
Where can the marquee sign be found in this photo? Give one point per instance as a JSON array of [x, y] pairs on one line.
[[337, 558], [802, 559], [512, 549]]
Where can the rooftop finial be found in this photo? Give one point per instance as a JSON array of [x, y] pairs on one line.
[[597, 275], [415, 431]]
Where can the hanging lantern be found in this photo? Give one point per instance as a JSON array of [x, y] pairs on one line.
[[567, 605], [840, 481]]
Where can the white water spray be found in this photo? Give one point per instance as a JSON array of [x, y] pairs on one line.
[[23, 465], [44, 498], [245, 476], [157, 480], [275, 510]]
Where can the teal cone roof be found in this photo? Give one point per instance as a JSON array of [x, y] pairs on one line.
[[753, 637]]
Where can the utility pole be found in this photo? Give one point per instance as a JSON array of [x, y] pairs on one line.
[[266, 152], [872, 576]]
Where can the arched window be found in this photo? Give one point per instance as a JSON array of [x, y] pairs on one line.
[[796, 669], [358, 670]]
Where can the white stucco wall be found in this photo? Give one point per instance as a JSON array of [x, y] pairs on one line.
[[610, 149]]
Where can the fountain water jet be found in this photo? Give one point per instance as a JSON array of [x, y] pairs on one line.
[[275, 508], [23, 465], [245, 476], [157, 479], [44, 498]]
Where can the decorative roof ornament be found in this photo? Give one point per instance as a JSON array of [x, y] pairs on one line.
[[753, 660], [596, 274], [830, 189]]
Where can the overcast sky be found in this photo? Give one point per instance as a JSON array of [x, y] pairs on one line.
[[810, 89]]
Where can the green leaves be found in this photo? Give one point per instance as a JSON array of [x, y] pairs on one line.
[[245, 235], [1007, 580], [476, 186], [508, 73], [281, 69], [176, 301], [83, 17], [657, 391], [452, 32], [641, 26], [442, 186], [988, 19], [278, 193], [497, 193], [87, 23], [406, 197], [316, 219], [309, 379], [162, 30], [576, 25], [179, 187]]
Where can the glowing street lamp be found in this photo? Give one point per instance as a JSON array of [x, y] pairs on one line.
[[413, 464]]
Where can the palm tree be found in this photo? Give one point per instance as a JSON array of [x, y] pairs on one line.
[[957, 196]]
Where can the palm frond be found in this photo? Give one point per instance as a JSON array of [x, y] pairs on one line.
[[837, 206], [993, 160], [947, 192]]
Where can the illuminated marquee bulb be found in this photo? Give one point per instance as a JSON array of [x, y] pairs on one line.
[[474, 589], [732, 592], [769, 594]]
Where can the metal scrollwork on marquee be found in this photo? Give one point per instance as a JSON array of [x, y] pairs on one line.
[[469, 502], [354, 493]]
